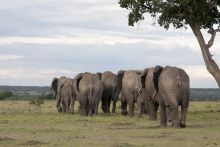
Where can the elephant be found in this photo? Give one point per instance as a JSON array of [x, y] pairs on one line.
[[64, 93], [151, 95], [129, 82], [109, 84], [173, 87], [88, 90]]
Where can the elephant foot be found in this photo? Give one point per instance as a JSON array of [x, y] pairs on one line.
[[175, 125], [183, 124]]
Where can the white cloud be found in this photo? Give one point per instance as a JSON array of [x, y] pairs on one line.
[[32, 77], [10, 57]]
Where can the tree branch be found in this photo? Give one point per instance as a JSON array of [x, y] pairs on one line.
[[213, 34], [212, 3]]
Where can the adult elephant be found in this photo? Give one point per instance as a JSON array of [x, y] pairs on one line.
[[88, 90], [64, 94], [173, 86], [109, 84], [151, 94], [129, 82]]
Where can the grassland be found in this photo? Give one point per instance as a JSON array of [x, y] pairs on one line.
[[22, 124]]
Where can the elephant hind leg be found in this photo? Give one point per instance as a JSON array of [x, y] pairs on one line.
[[131, 108], [183, 116], [163, 117], [114, 106], [175, 117]]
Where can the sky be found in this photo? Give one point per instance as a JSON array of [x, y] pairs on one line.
[[42, 39]]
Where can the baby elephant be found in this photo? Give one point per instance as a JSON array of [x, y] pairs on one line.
[[173, 86], [64, 94]]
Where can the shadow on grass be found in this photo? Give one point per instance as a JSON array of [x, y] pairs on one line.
[[32, 143]]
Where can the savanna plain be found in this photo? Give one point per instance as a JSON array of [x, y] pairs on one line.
[[26, 124]]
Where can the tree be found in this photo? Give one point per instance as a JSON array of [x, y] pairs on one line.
[[197, 14]]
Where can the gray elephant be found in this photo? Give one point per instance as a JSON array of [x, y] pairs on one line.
[[129, 82], [64, 94], [173, 86], [109, 84], [88, 90], [151, 94]]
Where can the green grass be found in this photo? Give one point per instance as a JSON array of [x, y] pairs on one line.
[[23, 124]]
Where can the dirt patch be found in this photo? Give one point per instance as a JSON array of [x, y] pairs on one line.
[[6, 139], [32, 143], [122, 126], [123, 145]]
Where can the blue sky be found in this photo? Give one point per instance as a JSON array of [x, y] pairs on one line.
[[41, 39]]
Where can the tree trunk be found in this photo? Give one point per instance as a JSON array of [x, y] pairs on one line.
[[211, 65]]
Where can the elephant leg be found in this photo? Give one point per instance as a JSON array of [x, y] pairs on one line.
[[123, 105], [163, 118], [169, 114], [108, 105], [90, 110], [72, 103], [104, 106], [183, 116], [131, 109], [152, 110], [114, 106], [175, 117], [139, 107], [63, 107], [96, 108], [84, 108]]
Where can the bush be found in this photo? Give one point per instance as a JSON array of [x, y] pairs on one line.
[[46, 96], [5, 94], [37, 102]]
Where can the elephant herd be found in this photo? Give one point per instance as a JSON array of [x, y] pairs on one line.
[[167, 87]]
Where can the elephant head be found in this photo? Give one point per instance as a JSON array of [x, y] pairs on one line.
[[157, 71]]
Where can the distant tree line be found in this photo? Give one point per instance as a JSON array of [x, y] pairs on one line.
[[45, 93]]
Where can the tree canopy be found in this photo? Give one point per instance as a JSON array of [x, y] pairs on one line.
[[178, 13]]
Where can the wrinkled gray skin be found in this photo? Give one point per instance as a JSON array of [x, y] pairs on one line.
[[64, 94], [151, 95], [131, 90], [172, 85], [109, 83], [88, 90]]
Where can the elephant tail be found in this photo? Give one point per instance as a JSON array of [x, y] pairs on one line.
[[91, 99], [179, 82]]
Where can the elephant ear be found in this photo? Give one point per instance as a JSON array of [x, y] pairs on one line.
[[143, 77], [156, 74], [119, 76], [76, 81], [99, 74], [139, 72], [54, 84]]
